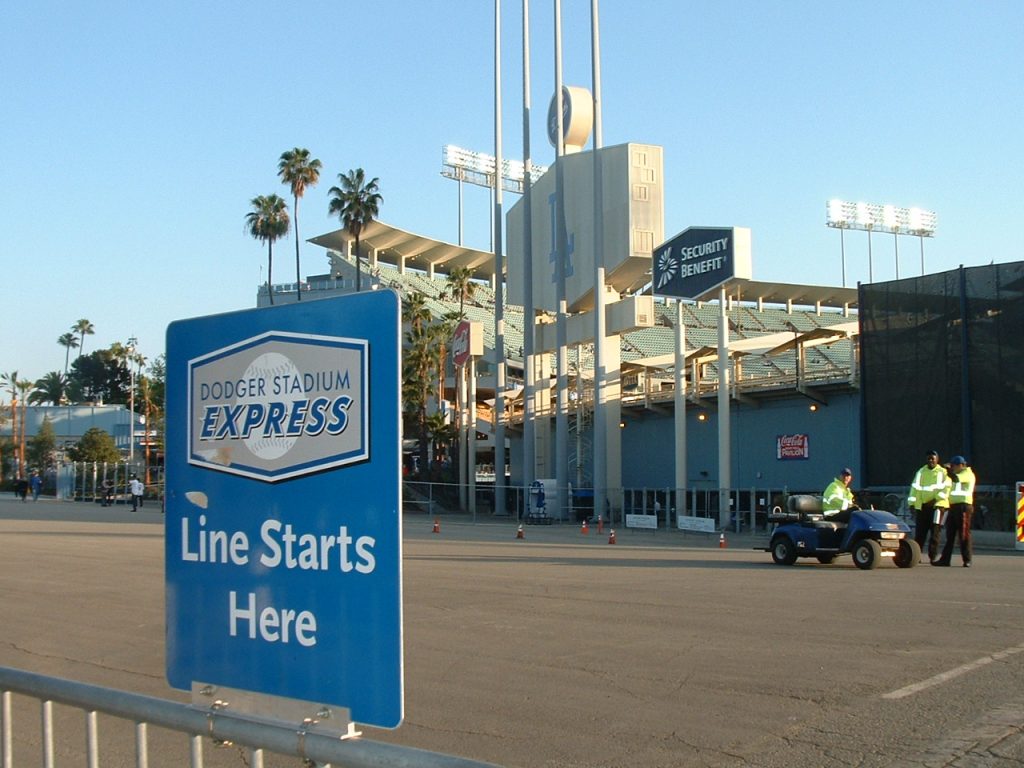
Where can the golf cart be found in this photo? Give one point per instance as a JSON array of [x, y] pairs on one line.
[[803, 530]]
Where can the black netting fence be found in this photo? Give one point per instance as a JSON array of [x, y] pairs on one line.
[[943, 368]]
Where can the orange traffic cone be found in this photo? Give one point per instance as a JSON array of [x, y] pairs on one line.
[[721, 540], [611, 536], [583, 528], [437, 525], [600, 525], [519, 533]]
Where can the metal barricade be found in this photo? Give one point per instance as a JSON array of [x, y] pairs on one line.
[[299, 740]]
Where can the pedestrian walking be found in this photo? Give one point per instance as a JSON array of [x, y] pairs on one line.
[[108, 492], [929, 498], [961, 512], [137, 489], [36, 483]]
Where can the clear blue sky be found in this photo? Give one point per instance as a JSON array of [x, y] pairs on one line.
[[133, 135]]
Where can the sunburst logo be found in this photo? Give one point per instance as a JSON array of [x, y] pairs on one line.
[[667, 268]]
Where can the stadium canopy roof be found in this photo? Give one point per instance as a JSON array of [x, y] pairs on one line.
[[405, 250], [768, 345], [790, 294]]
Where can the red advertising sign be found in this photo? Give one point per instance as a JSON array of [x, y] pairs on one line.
[[460, 343], [792, 447]]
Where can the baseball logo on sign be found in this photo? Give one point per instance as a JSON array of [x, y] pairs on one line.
[[279, 405], [268, 367]]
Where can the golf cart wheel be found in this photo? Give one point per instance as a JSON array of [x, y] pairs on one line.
[[827, 559], [783, 551], [866, 554], [908, 555]]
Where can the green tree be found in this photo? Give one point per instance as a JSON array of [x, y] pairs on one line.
[[158, 380], [99, 376], [268, 222], [42, 446], [95, 445], [356, 202], [69, 342], [83, 328], [298, 171], [441, 434], [153, 387], [461, 288], [125, 356], [49, 389]]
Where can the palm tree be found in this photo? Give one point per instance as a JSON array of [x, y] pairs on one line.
[[69, 342], [357, 203], [417, 382], [268, 221], [84, 328], [441, 331], [415, 311], [25, 387], [49, 389], [10, 381], [461, 287], [3, 420], [298, 171]]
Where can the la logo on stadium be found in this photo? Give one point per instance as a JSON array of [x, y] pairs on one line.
[[279, 405]]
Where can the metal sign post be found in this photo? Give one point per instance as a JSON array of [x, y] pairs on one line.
[[283, 527]]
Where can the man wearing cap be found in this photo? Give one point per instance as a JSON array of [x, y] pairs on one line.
[[929, 498], [837, 500], [961, 510]]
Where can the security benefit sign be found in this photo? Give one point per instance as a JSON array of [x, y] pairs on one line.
[[283, 532], [699, 260]]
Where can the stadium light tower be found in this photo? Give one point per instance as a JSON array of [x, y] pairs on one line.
[[922, 224], [478, 168], [869, 217]]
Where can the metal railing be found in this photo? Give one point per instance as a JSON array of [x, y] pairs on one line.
[[299, 740], [748, 507]]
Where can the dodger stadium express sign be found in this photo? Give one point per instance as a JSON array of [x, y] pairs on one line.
[[283, 533]]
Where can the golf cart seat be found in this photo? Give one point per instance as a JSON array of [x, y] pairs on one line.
[[807, 509]]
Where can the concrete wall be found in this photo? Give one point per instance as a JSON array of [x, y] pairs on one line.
[[832, 433], [648, 453]]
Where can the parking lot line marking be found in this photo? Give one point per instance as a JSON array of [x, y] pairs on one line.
[[950, 674]]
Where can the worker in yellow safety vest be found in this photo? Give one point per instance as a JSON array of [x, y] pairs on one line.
[[929, 498], [837, 500], [961, 510]]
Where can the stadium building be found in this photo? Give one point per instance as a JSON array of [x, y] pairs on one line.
[[711, 402]]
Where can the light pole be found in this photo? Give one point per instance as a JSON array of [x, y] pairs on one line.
[[922, 224], [132, 341]]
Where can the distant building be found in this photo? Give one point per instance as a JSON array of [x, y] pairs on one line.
[[70, 422]]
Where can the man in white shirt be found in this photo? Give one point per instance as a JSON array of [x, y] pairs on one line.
[[137, 489]]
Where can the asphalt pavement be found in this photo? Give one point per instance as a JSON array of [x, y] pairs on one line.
[[561, 650]]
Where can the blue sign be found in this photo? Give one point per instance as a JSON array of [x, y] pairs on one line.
[[283, 525], [700, 259]]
